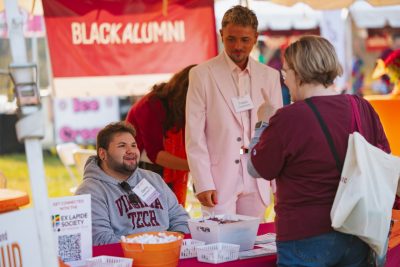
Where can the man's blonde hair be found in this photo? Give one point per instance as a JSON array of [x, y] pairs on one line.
[[240, 15], [314, 60]]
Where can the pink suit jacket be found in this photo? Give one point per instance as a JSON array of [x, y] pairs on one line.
[[214, 132]]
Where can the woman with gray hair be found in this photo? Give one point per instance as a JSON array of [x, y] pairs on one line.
[[291, 146]]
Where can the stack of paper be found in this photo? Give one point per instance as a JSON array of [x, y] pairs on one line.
[[266, 238], [258, 252]]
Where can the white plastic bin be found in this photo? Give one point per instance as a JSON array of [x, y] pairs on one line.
[[217, 252], [188, 248], [242, 232]]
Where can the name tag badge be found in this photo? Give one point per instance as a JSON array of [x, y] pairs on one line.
[[242, 103], [146, 192]]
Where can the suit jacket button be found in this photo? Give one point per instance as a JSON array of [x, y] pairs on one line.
[[239, 139], [237, 161]]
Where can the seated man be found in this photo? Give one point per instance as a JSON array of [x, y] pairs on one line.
[[111, 177]]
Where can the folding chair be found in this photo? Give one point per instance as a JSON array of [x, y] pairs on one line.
[[65, 153], [80, 157]]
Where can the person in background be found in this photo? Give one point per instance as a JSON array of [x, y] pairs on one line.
[[112, 177], [357, 76], [394, 45], [276, 63], [391, 68], [291, 147], [223, 97], [159, 120]]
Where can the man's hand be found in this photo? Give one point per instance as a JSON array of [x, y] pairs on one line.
[[208, 198]]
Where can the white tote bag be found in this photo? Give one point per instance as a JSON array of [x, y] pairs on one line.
[[364, 200]]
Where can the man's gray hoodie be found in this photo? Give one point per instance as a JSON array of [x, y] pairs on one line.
[[112, 213]]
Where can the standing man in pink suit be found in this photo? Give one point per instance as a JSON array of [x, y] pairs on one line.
[[221, 112]]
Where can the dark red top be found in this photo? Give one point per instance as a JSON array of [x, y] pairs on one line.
[[294, 150], [147, 116]]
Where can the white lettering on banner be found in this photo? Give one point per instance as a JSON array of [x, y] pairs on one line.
[[133, 33]]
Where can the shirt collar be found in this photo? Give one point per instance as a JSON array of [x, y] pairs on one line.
[[235, 68]]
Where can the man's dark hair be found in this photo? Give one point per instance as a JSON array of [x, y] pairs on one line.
[[107, 133], [173, 96]]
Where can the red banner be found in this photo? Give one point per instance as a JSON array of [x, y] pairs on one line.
[[125, 37]]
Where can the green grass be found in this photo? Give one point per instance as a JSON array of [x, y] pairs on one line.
[[15, 169]]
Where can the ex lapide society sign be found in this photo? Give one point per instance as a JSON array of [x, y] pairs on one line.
[[72, 225]]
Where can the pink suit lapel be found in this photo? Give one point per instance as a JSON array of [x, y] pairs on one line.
[[225, 83]]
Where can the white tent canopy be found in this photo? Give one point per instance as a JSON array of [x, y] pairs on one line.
[[366, 16], [336, 4], [275, 17]]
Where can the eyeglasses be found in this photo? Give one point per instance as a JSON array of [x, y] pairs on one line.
[[133, 198]]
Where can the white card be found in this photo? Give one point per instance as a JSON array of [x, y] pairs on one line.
[[146, 192], [242, 103]]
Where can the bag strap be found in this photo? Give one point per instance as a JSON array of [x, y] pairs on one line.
[[326, 133], [356, 113]]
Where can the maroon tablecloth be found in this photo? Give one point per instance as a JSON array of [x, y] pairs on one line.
[[393, 256]]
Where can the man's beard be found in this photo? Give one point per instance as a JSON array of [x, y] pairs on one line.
[[242, 58], [123, 167], [126, 168]]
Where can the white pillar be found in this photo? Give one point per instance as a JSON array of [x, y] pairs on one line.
[[30, 129]]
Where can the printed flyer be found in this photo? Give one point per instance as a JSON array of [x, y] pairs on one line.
[[72, 224]]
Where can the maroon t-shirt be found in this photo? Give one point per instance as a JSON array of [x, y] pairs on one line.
[[294, 150], [147, 116]]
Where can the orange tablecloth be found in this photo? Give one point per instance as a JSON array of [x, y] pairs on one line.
[[12, 199]]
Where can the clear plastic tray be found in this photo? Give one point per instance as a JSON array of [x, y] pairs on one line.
[[217, 252], [188, 248], [109, 261]]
